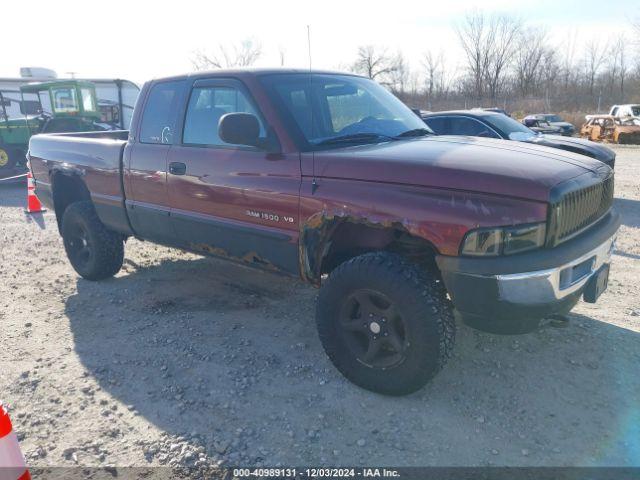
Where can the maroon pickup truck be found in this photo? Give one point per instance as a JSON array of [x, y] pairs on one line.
[[330, 178]]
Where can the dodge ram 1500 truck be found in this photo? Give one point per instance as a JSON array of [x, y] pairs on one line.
[[330, 178]]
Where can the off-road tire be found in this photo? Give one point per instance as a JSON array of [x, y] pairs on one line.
[[103, 250], [422, 301]]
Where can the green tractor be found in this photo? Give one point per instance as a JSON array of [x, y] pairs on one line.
[[46, 107], [17, 123]]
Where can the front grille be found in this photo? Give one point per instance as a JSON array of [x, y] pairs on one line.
[[578, 209]]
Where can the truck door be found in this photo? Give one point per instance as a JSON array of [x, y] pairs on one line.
[[146, 163], [232, 200]]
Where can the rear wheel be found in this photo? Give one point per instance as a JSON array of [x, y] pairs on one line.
[[385, 324], [94, 251]]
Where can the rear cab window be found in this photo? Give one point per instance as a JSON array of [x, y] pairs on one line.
[[160, 112]]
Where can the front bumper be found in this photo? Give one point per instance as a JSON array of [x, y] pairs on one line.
[[531, 285]]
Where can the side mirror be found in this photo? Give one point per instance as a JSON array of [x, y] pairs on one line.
[[239, 129]]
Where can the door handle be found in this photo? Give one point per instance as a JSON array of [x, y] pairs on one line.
[[177, 168]]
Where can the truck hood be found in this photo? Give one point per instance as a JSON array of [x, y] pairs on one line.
[[461, 163], [577, 145]]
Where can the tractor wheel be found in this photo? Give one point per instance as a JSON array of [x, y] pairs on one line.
[[7, 158]]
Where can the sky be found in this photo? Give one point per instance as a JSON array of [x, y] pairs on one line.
[[140, 40]]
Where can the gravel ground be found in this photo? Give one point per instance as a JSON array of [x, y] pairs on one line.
[[184, 360]]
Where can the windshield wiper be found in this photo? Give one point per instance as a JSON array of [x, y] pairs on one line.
[[354, 138], [416, 132]]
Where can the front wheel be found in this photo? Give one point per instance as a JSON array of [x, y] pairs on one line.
[[94, 251], [386, 325]]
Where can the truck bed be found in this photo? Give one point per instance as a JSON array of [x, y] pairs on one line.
[[94, 156]]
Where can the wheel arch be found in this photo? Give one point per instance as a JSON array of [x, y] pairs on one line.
[[328, 241], [67, 188]]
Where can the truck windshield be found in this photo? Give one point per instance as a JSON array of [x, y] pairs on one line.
[[337, 110], [636, 110]]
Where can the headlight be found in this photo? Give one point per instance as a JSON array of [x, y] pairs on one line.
[[491, 242]]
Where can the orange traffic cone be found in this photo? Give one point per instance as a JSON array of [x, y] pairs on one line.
[[33, 204], [12, 466]]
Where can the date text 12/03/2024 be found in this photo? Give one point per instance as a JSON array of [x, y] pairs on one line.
[[316, 472]]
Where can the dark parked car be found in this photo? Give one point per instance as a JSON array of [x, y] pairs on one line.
[[476, 123], [330, 178], [540, 125], [567, 129]]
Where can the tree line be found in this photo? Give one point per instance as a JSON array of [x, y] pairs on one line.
[[507, 63], [512, 65]]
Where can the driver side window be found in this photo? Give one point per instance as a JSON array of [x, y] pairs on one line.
[[470, 127], [206, 106]]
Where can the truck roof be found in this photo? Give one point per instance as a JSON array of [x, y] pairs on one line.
[[253, 71]]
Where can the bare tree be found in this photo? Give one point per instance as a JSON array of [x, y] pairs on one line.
[[375, 63], [593, 60], [618, 65], [505, 31], [489, 43], [568, 61], [529, 58], [473, 35], [434, 72], [244, 54], [399, 75], [549, 72]]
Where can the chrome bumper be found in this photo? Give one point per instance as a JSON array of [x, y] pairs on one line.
[[545, 286]]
